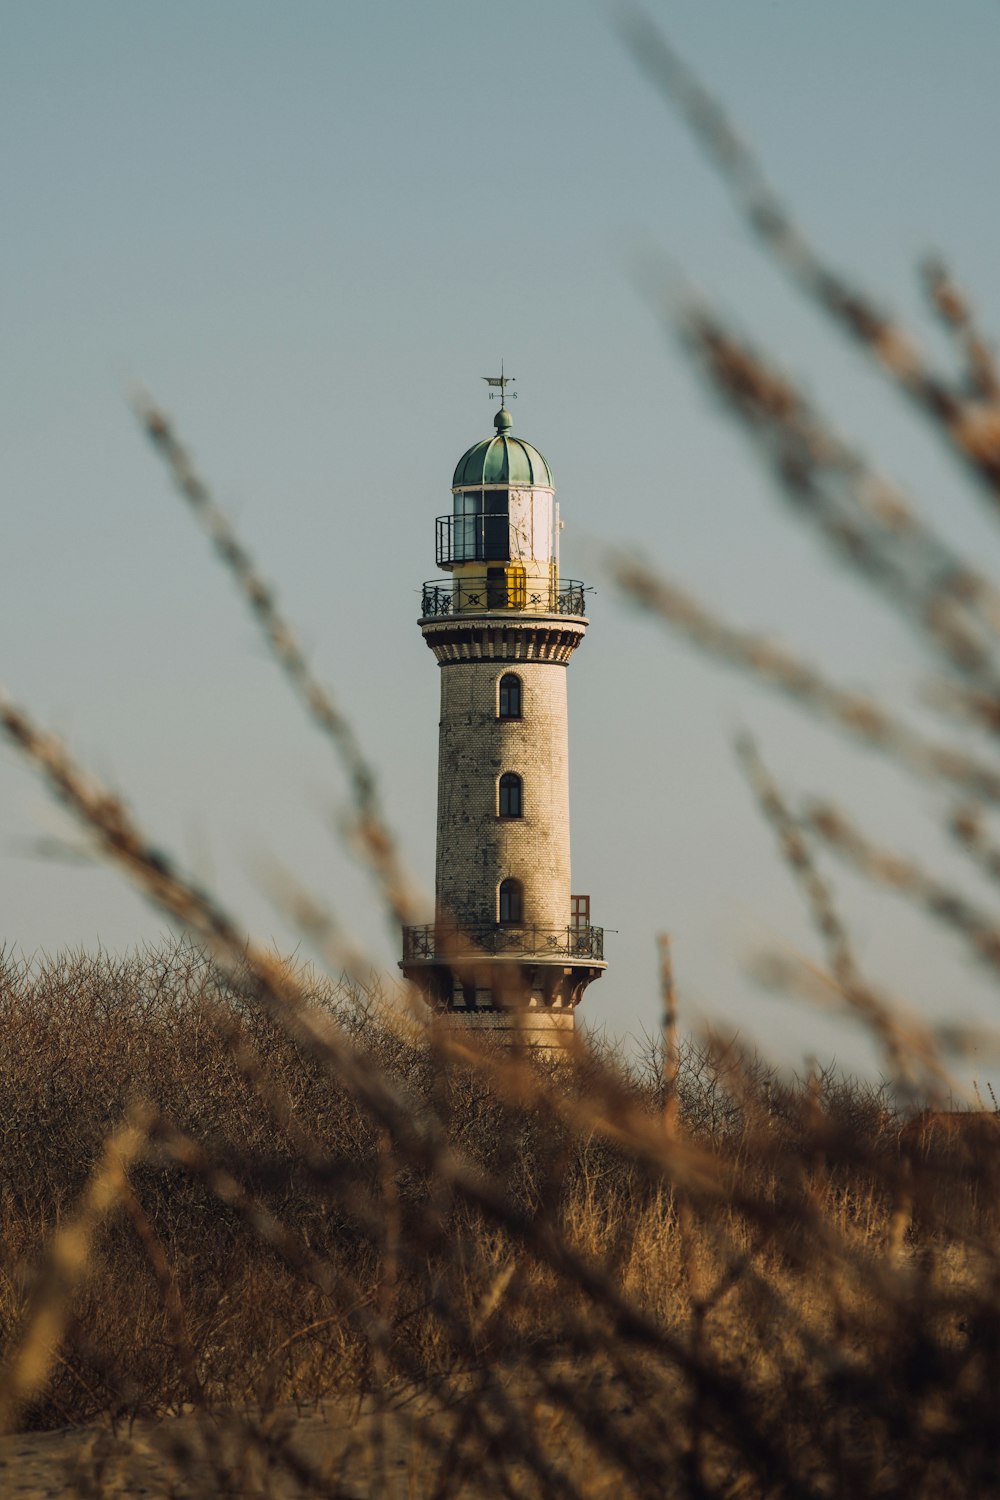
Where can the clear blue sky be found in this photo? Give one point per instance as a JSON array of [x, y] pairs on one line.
[[308, 230]]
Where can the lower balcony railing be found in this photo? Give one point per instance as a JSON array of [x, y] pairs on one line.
[[508, 590], [445, 943]]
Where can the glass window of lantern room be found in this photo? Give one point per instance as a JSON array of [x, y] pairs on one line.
[[468, 529], [495, 535], [511, 902], [510, 696], [510, 795]]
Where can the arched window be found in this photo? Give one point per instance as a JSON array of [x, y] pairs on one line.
[[511, 903], [510, 796], [510, 696]]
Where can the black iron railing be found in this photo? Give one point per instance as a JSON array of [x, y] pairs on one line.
[[460, 539], [447, 943], [509, 590]]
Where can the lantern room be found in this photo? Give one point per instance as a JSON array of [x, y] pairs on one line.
[[500, 542]]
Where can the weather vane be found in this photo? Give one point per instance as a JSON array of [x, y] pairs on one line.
[[503, 381]]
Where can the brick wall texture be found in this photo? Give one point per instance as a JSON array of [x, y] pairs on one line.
[[476, 849]]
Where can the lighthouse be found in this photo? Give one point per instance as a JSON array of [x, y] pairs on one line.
[[512, 947]]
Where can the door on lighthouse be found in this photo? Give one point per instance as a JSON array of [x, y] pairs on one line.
[[506, 588], [496, 588], [579, 923]]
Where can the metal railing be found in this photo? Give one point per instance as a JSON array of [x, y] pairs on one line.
[[460, 539], [533, 596], [446, 943]]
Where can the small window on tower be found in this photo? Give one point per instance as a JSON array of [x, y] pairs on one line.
[[510, 696], [510, 800], [511, 903]]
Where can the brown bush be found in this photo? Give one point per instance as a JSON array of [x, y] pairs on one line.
[[727, 1300]]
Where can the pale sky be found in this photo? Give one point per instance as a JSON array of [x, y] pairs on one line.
[[308, 230]]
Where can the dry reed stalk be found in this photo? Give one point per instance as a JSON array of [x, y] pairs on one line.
[[375, 838], [579, 1333], [317, 924], [968, 704], [416, 1139], [854, 713], [342, 1290], [980, 929], [29, 1360], [702, 1183], [870, 523], [273, 986], [671, 1050], [982, 377], [795, 975], [967, 827], [901, 1216], [881, 1019], [276, 990], [376, 1215], [966, 410], [170, 1296], [352, 1302]]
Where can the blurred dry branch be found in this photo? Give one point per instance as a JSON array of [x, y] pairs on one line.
[[858, 715], [268, 982], [870, 523], [29, 1358], [965, 409], [980, 929], [283, 1224], [982, 378], [671, 1051], [793, 974], [606, 1318], [911, 1051], [375, 838], [968, 827]]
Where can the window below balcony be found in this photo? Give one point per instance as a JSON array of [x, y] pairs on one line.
[[511, 902]]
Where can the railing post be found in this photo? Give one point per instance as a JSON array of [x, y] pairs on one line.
[[434, 940]]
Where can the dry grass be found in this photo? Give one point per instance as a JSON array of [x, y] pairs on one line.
[[593, 1297]]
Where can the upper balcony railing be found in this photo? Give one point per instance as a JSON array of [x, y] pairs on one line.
[[445, 943], [504, 588], [462, 539]]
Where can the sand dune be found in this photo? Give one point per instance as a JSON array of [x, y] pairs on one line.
[[284, 1454]]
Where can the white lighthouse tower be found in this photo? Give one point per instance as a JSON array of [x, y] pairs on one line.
[[512, 949]]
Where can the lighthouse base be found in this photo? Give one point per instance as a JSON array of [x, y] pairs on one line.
[[551, 1031], [521, 1000]]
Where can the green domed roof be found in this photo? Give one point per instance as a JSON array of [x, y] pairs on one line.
[[502, 460]]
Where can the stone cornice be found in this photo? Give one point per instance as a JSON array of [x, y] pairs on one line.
[[549, 638]]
